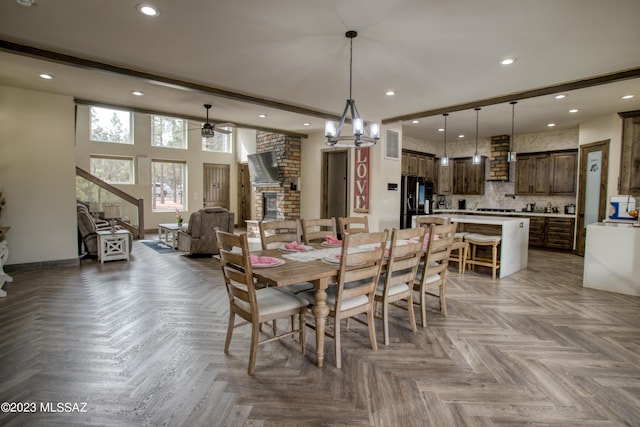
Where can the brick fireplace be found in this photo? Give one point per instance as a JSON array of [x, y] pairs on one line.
[[284, 197]]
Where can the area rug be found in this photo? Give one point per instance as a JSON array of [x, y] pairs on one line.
[[158, 246]]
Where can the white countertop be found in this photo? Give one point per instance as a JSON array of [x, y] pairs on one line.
[[477, 212], [480, 219]]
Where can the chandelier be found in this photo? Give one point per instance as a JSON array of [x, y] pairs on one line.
[[476, 159], [444, 160], [359, 137]]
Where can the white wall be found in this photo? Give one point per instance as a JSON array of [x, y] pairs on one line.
[[37, 175], [384, 206], [600, 129]]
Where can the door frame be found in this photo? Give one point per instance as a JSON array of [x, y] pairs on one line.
[[324, 208], [582, 182]]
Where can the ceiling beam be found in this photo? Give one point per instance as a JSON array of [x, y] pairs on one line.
[[517, 96], [74, 61]]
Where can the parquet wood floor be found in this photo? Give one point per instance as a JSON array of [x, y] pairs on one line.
[[141, 343]]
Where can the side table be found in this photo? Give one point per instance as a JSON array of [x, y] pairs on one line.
[[113, 245]]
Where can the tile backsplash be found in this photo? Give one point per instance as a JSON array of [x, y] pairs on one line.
[[495, 197]]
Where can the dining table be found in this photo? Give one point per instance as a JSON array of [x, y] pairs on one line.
[[304, 266]]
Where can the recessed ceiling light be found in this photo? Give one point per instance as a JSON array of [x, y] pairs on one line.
[[148, 10], [415, 121], [551, 125], [508, 61], [137, 93], [627, 97], [460, 136], [561, 96], [306, 124], [262, 116], [390, 93], [441, 130], [46, 76], [574, 110]]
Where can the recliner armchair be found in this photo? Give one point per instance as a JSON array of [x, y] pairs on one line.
[[200, 236], [88, 226]]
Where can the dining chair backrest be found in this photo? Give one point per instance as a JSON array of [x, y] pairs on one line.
[[237, 272], [314, 230], [439, 239], [279, 231], [361, 262], [404, 257], [428, 220], [353, 224]]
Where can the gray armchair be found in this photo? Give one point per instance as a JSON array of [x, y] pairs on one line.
[[88, 226], [200, 236]]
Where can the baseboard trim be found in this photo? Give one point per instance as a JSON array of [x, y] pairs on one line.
[[42, 265]]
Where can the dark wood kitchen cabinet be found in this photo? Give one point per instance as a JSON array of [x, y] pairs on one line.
[[444, 183], [467, 177], [559, 233], [563, 167], [536, 231], [548, 173], [532, 173], [630, 154], [418, 164]]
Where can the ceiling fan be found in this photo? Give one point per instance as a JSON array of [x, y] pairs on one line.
[[209, 129]]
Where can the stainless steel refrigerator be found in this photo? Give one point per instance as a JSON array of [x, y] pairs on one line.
[[416, 199]]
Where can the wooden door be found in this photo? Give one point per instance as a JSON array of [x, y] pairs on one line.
[[335, 184], [592, 189], [445, 176], [459, 176], [475, 178], [244, 195], [216, 185]]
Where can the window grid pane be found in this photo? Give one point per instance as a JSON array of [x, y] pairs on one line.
[[108, 125], [168, 185], [168, 132], [113, 170], [221, 142]]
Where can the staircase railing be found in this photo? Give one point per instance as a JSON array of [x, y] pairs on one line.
[[125, 209]]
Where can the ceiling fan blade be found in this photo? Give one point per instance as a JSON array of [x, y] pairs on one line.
[[224, 125]]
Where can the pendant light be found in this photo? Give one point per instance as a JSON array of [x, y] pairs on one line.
[[444, 160], [476, 157], [359, 137], [511, 157]]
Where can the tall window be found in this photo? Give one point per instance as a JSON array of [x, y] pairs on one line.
[[168, 186], [109, 125], [168, 132], [221, 142], [112, 169]]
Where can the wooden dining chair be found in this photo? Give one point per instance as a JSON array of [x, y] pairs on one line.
[[361, 260], [353, 224], [255, 306], [399, 273], [282, 231], [460, 248], [315, 230], [432, 271]]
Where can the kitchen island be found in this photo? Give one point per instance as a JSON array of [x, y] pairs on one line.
[[514, 232], [611, 258]]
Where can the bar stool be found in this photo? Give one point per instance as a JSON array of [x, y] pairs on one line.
[[461, 248], [475, 240]]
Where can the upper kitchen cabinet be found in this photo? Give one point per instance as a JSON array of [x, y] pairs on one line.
[[630, 156], [549, 173], [532, 173], [563, 167], [444, 183], [418, 164], [467, 177]]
